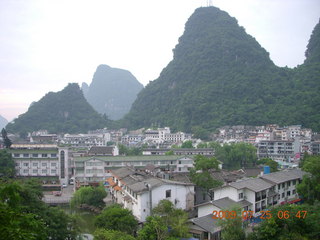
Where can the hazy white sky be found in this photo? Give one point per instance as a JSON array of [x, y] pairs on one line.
[[45, 44]]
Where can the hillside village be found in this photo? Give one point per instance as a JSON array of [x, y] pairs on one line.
[[161, 169]]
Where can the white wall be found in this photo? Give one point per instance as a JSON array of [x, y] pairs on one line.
[[179, 197], [227, 191]]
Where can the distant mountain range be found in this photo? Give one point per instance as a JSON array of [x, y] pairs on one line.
[[220, 76], [3, 122], [65, 111], [112, 91]]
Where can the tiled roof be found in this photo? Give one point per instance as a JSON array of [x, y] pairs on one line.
[[254, 184], [100, 150], [283, 176], [130, 158], [224, 203], [207, 223], [123, 172], [117, 188]]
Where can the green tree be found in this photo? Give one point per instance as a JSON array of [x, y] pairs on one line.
[[231, 228], [175, 219], [237, 155], [154, 228], [202, 145], [23, 215], [269, 162], [187, 144], [106, 234], [89, 195], [169, 153], [116, 218], [309, 188], [6, 141], [289, 222], [201, 176], [7, 166], [200, 132]]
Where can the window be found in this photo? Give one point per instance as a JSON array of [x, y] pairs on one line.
[[53, 171], [168, 193], [240, 196], [53, 155], [25, 171], [16, 155], [294, 182], [34, 171], [35, 164], [44, 164], [282, 185], [44, 155], [179, 169], [282, 195], [53, 164], [35, 155], [288, 193], [289, 183], [279, 186], [26, 155], [44, 171], [294, 191], [179, 162], [17, 164], [25, 164]]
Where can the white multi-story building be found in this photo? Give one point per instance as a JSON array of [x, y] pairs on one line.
[[279, 150], [47, 161], [162, 135], [99, 139], [140, 192], [256, 194]]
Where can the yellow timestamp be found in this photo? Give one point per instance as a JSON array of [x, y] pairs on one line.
[[262, 214]]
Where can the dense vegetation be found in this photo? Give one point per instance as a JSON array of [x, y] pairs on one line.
[[92, 196], [222, 76], [23, 215], [112, 91], [65, 111], [7, 166]]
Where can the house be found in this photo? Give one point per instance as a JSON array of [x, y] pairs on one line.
[[89, 169], [205, 227], [255, 194], [285, 184], [140, 192], [279, 150], [179, 151], [103, 151], [46, 161]]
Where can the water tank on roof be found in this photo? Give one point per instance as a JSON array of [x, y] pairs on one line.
[[266, 169]]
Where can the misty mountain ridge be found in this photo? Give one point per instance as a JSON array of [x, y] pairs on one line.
[[3, 122], [112, 91]]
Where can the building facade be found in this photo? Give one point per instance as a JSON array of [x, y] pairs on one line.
[[47, 161]]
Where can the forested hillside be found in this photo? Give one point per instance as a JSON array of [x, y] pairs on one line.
[[65, 111], [220, 75]]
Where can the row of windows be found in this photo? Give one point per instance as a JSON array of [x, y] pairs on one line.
[[283, 195], [94, 163], [94, 171], [287, 184], [35, 164], [35, 155], [43, 171]]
